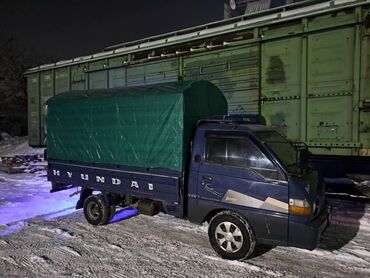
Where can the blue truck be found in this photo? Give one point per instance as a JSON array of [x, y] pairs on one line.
[[162, 148]]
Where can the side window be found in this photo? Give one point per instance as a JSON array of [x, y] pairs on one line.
[[238, 151]]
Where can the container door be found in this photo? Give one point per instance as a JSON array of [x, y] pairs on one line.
[[236, 175], [330, 89], [234, 71], [281, 85]]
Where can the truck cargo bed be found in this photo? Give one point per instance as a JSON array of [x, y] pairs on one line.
[[155, 184]]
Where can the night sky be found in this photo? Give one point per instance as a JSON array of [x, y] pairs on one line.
[[61, 29]]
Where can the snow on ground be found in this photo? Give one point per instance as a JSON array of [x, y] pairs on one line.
[[24, 196], [41, 235], [17, 145]]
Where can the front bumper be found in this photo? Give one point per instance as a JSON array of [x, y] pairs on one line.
[[307, 235]]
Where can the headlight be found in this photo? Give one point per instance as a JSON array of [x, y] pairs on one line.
[[300, 207]]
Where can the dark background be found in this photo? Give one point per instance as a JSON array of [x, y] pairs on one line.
[[60, 29], [36, 32]]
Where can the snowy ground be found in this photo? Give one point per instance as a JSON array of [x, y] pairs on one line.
[[41, 235], [17, 145]]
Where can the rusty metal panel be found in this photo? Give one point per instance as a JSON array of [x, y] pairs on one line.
[[117, 77], [118, 61], [153, 73], [329, 119], [331, 20], [98, 76], [364, 105], [282, 29], [330, 62], [78, 77], [62, 80], [235, 71], [46, 85], [97, 65], [330, 79], [98, 79], [283, 115], [281, 68], [33, 95]]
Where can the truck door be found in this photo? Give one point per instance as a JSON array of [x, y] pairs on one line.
[[235, 174]]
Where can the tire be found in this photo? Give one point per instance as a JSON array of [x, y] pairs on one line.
[[96, 211], [231, 236]]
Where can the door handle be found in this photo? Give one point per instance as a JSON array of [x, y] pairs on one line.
[[207, 178]]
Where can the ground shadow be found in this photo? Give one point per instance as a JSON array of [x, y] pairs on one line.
[[262, 249], [345, 222]]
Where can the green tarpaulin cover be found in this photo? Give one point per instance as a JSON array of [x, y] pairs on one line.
[[148, 126]]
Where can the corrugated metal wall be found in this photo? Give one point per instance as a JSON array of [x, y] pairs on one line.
[[62, 82], [33, 91], [151, 73], [364, 100], [235, 71], [78, 77]]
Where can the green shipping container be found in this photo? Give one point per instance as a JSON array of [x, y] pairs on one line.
[[148, 126]]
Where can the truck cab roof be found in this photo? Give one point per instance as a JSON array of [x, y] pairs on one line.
[[239, 122], [224, 126]]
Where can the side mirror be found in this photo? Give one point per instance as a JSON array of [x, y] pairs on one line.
[[302, 157], [197, 158]]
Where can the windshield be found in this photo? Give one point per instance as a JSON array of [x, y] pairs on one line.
[[282, 148]]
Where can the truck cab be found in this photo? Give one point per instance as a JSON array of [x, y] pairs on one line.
[[253, 186]]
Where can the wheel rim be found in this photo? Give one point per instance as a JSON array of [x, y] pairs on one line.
[[93, 210], [229, 237]]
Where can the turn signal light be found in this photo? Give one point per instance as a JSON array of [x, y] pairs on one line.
[[299, 207]]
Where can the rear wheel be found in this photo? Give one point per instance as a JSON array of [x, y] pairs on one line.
[[231, 236], [96, 211]]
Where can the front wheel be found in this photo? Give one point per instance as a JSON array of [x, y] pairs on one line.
[[231, 236]]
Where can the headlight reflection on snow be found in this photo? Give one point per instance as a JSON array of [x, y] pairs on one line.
[[37, 204], [123, 214]]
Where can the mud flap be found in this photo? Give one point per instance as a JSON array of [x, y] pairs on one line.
[[85, 192]]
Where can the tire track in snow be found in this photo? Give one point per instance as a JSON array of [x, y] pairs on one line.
[[9, 260], [67, 250], [3, 243], [35, 263]]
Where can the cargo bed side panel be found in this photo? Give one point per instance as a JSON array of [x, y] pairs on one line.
[[154, 186]]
